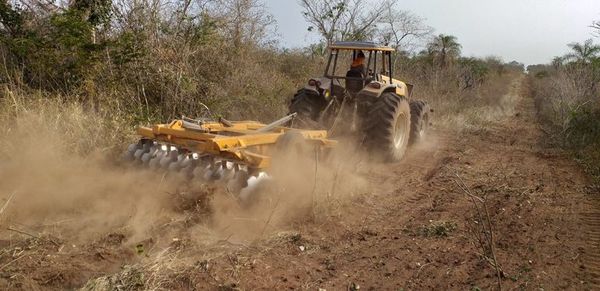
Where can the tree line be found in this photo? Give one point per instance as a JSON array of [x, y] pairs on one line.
[[157, 59]]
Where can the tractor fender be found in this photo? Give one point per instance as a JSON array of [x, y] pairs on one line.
[[399, 88], [312, 90]]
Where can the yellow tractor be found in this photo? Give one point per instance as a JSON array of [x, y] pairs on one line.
[[363, 98]]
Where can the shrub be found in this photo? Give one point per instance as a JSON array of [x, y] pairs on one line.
[[567, 98]]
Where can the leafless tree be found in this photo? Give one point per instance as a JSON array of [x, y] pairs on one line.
[[357, 20], [244, 21], [401, 28], [342, 19]]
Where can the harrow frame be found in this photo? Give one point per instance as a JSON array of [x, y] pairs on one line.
[[248, 143]]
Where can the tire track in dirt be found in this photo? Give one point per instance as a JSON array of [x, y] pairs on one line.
[[514, 147], [568, 179], [416, 171], [591, 220]]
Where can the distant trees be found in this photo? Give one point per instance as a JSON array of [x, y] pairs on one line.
[[582, 53], [444, 49], [516, 65], [557, 62], [439, 66]]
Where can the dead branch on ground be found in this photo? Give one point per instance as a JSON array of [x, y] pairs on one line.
[[32, 235], [484, 234]]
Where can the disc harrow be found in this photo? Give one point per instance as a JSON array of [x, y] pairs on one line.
[[234, 154]]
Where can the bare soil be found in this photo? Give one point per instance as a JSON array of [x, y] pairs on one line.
[[415, 228]]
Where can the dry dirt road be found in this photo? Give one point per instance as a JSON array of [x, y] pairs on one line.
[[421, 226]]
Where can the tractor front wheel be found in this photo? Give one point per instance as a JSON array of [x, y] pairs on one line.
[[387, 126]]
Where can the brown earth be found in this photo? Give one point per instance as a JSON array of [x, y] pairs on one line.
[[418, 226]]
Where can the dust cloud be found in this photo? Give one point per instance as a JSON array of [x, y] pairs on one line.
[[82, 197], [303, 185], [76, 196]]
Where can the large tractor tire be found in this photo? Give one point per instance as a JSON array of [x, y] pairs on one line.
[[308, 105], [419, 121], [387, 127]]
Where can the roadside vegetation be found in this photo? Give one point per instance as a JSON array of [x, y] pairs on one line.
[[567, 97], [106, 66]]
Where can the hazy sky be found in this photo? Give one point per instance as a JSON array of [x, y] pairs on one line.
[[529, 31]]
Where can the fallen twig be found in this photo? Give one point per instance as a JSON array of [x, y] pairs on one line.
[[492, 247], [495, 266], [421, 268], [488, 233], [6, 265], [32, 235], [270, 216]]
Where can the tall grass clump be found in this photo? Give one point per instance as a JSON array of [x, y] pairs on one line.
[[466, 93], [56, 121]]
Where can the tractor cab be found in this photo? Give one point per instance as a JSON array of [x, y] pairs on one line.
[[377, 62], [374, 75]]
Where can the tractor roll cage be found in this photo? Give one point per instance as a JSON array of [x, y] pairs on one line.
[[372, 51]]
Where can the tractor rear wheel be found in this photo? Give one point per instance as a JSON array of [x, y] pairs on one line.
[[387, 126], [308, 105], [419, 121]]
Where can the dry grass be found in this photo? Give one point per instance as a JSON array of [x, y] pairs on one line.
[[34, 115], [475, 109], [567, 102]]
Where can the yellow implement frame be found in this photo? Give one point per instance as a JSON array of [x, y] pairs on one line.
[[246, 142]]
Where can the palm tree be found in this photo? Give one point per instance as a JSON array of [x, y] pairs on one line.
[[583, 53], [444, 48]]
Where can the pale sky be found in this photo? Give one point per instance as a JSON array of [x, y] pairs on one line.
[[529, 31]]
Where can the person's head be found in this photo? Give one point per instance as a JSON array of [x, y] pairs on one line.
[[359, 59], [360, 55]]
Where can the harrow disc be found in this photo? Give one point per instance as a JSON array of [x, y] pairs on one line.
[[128, 155], [234, 177]]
